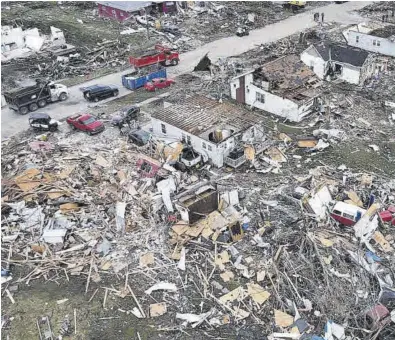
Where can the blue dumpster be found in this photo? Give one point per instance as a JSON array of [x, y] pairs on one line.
[[133, 81]]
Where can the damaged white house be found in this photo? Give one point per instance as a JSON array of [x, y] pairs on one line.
[[215, 132], [332, 61], [372, 36], [284, 87], [18, 43]]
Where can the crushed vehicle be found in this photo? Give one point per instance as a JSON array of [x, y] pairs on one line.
[[127, 115], [347, 214], [172, 29], [86, 123], [160, 55], [42, 122], [95, 93], [31, 98], [242, 31], [139, 137], [158, 83]]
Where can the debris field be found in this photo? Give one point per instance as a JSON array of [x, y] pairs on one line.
[[295, 242]]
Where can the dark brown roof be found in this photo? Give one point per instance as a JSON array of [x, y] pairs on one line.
[[384, 32], [198, 114], [290, 77]]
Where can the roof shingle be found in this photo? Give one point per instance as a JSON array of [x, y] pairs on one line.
[[344, 54]]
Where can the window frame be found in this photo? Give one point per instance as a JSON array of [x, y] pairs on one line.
[[163, 128], [261, 95]]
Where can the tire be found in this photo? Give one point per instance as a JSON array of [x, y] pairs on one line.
[[23, 110], [115, 93], [53, 128], [72, 127], [33, 107], [89, 133], [42, 103], [96, 99], [174, 62], [63, 96]]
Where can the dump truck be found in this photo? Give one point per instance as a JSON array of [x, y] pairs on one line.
[[160, 55], [31, 98]]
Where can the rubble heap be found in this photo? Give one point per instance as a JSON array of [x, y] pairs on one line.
[[261, 246]]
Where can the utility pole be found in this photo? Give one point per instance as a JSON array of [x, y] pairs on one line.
[[146, 22]]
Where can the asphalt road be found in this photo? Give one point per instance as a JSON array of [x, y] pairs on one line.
[[12, 122]]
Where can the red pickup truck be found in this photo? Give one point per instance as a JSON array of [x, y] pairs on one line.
[[85, 122], [160, 55]]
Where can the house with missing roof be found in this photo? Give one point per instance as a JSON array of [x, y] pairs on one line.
[[285, 87], [372, 36], [221, 133], [123, 10], [333, 61]]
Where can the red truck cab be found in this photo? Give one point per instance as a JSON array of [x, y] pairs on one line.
[[85, 122], [160, 55]]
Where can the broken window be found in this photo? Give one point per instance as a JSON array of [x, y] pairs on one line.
[[260, 97], [349, 216], [146, 167], [204, 145], [209, 148], [374, 42], [300, 96], [378, 42], [163, 126], [113, 12], [189, 140], [183, 138], [357, 39], [338, 69]]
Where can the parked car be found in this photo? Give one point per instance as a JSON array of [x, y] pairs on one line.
[[158, 83], [98, 92], [139, 137], [42, 122], [85, 122]]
